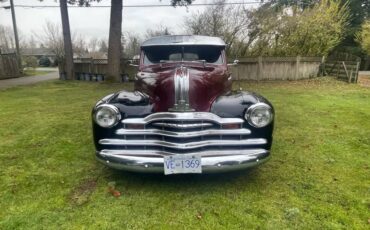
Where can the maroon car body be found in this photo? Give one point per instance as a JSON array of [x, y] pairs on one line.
[[183, 110]]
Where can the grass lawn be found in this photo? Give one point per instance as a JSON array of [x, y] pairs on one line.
[[318, 176]]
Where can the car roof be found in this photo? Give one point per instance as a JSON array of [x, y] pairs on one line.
[[169, 40]]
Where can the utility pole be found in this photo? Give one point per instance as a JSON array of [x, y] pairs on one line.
[[16, 35]]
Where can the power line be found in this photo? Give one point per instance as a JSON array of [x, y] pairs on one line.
[[136, 6]]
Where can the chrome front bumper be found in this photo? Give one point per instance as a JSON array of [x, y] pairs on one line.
[[152, 161]]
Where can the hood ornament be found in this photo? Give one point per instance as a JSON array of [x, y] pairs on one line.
[[181, 83]]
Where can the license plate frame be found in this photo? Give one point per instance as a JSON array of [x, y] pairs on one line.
[[182, 164]]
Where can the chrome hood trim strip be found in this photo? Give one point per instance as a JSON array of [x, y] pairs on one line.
[[186, 116], [190, 145], [183, 134], [181, 86]]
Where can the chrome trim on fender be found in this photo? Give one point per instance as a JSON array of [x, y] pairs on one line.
[[190, 145], [187, 116], [183, 134]]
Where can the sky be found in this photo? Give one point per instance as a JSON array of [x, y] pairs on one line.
[[94, 22]]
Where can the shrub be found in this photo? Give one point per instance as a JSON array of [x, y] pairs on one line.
[[30, 62], [44, 61]]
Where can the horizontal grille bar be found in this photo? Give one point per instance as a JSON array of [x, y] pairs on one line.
[[191, 116], [204, 153], [183, 134], [190, 145], [182, 126]]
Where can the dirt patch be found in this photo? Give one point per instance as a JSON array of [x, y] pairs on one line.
[[81, 194]]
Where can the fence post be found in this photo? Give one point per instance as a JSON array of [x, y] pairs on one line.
[[323, 66], [298, 60], [345, 69], [338, 69], [357, 70], [260, 67]]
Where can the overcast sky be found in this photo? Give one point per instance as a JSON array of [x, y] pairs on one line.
[[94, 22]]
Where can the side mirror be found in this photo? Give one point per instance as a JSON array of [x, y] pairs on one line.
[[235, 62]]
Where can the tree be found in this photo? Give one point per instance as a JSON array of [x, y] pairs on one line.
[[359, 11], [103, 47], [32, 44], [31, 62], [114, 42], [115, 33], [363, 37], [6, 39], [228, 22], [313, 31], [44, 61], [67, 41], [181, 2], [160, 30], [52, 38], [131, 45], [93, 45], [80, 47]]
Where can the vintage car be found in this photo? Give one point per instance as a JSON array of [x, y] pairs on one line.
[[183, 116]]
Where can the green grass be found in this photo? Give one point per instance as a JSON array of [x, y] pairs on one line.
[[32, 72], [317, 178]]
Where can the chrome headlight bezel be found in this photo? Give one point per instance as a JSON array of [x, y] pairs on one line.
[[259, 105], [115, 111]]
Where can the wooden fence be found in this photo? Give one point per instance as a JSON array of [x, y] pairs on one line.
[[249, 68], [9, 66], [344, 66], [277, 68], [88, 69]]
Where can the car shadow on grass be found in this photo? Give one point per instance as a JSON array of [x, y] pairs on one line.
[[248, 176]]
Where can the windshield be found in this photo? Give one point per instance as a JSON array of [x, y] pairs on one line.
[[158, 54]]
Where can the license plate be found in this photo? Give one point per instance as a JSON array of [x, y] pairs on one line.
[[177, 164]]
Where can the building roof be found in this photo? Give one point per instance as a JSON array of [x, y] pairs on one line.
[[169, 40], [37, 52]]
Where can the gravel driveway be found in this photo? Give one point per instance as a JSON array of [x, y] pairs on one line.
[[8, 83]]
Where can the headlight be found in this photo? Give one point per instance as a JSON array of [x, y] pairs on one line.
[[107, 115], [259, 115]]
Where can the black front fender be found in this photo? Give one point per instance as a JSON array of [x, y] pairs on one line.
[[236, 103]]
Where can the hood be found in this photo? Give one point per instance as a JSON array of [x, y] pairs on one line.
[[183, 88]]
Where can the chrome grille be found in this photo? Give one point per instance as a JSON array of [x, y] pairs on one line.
[[181, 133], [181, 125]]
